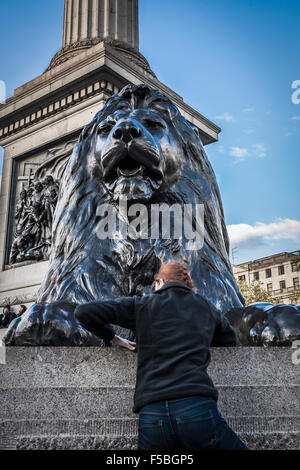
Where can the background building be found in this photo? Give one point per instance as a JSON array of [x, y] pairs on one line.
[[278, 274]]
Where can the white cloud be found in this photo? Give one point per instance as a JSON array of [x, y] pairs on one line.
[[225, 117], [259, 150], [238, 152], [287, 134], [248, 110], [248, 131], [256, 151], [221, 148], [295, 118], [243, 234]]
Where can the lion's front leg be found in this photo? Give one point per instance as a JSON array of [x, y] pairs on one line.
[[265, 324], [52, 324]]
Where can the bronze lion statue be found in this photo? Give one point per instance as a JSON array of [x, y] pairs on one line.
[[139, 148]]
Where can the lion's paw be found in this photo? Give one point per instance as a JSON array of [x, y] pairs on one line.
[[265, 324], [51, 324]]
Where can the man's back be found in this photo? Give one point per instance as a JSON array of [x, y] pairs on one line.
[[174, 330]]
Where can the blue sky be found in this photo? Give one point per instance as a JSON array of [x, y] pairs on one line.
[[232, 60]]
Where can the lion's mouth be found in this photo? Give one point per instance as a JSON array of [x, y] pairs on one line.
[[129, 167], [126, 166]]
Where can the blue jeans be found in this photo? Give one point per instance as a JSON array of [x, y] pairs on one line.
[[192, 423]]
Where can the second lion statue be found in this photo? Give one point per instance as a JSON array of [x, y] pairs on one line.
[[141, 148]]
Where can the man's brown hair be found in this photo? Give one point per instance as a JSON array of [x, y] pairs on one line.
[[175, 271]]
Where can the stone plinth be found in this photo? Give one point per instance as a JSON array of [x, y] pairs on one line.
[[81, 398]]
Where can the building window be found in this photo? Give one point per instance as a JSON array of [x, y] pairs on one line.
[[269, 287], [280, 270], [256, 276], [296, 282], [242, 278], [268, 272], [282, 284], [294, 267]]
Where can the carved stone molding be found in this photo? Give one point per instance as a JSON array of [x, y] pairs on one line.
[[72, 50], [60, 105]]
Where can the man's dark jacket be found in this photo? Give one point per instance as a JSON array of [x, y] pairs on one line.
[[174, 329]]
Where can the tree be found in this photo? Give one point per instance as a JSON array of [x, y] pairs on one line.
[[295, 297], [256, 293]]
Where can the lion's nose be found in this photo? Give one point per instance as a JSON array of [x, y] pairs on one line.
[[126, 132]]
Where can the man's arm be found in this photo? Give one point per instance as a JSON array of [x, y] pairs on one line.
[[224, 334], [96, 316]]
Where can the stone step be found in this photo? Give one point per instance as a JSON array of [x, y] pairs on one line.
[[259, 433], [79, 442], [260, 441], [96, 367], [128, 426], [84, 403]]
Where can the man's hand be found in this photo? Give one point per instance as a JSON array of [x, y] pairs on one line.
[[125, 343]]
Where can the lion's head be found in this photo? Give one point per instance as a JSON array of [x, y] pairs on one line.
[[137, 143], [141, 147]]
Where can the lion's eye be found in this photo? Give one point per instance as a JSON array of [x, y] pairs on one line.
[[151, 124], [105, 128]]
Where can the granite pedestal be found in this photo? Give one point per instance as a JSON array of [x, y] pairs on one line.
[[81, 398]]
